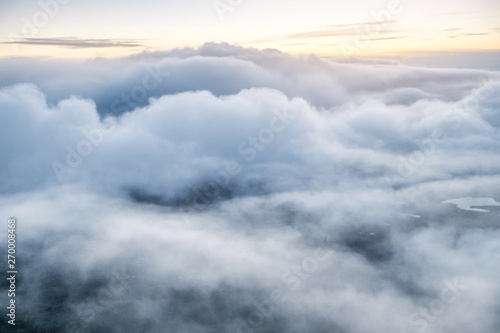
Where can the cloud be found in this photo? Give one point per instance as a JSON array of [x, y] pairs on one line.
[[476, 34], [73, 42], [251, 190], [119, 85], [351, 30]]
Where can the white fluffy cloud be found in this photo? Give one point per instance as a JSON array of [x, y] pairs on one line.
[[243, 174]]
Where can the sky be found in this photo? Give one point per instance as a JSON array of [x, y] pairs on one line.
[[278, 167], [94, 28]]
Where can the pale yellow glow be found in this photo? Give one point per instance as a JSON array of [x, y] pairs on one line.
[[319, 27]]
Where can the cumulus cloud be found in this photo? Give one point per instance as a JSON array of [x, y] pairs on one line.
[[224, 189]]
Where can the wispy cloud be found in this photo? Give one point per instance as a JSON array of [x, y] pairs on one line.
[[74, 42], [337, 30], [469, 34], [476, 34], [451, 14], [384, 38]]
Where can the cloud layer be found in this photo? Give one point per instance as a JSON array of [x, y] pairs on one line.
[[230, 189]]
